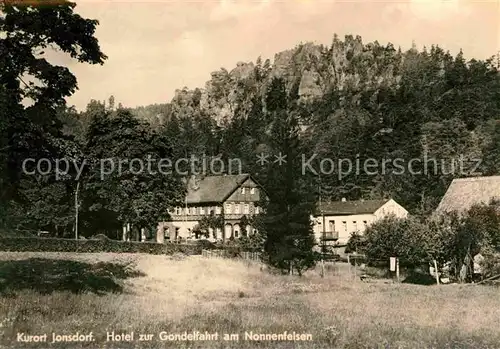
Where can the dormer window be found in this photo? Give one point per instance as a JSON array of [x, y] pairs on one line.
[[243, 190]]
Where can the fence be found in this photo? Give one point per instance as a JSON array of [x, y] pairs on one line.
[[249, 256]]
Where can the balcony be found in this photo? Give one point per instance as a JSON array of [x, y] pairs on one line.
[[329, 236]]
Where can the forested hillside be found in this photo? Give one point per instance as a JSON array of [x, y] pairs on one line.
[[349, 100], [354, 101]]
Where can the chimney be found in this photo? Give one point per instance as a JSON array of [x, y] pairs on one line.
[[344, 199]]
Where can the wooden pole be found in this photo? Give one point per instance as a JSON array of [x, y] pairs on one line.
[[436, 273], [76, 209], [323, 248], [397, 269]]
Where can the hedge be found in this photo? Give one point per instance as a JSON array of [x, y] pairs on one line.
[[36, 244]]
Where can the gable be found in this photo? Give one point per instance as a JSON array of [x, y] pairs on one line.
[[392, 207], [248, 184]]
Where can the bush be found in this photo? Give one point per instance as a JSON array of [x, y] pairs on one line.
[[404, 238], [93, 246], [491, 263]]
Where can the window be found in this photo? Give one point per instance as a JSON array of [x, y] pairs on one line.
[[344, 226], [243, 190], [229, 208], [355, 225], [202, 210], [365, 223], [246, 209], [257, 209], [252, 191], [236, 233], [217, 210], [177, 210], [237, 208], [332, 226]]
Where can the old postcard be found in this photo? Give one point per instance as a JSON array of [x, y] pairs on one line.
[[249, 174]]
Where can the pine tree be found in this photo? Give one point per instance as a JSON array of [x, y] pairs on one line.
[[286, 224], [492, 153]]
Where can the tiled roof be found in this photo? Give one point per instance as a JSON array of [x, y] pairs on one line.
[[350, 207], [212, 189], [463, 193]]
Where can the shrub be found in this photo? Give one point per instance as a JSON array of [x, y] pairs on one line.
[[93, 246], [491, 262], [396, 237]]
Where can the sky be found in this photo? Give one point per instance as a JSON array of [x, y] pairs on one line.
[[156, 47]]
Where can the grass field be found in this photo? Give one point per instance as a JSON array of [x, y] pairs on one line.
[[99, 293]]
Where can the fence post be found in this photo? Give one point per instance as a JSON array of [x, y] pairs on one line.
[[436, 272], [397, 269]]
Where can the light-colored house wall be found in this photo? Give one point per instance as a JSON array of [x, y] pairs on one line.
[[237, 201], [391, 207], [344, 232], [238, 196]]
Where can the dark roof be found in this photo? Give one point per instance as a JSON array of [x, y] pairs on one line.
[[213, 189], [463, 193], [350, 207]]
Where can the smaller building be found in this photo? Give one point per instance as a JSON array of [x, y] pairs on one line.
[[336, 221], [463, 193]]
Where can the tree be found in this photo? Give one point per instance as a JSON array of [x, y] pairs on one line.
[[356, 243], [286, 222], [211, 223], [33, 129], [396, 237], [492, 152], [133, 188]]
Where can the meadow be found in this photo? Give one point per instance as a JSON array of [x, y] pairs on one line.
[[66, 293]]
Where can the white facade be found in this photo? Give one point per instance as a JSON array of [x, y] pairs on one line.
[[345, 224]]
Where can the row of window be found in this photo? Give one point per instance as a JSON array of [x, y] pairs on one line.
[[344, 225], [229, 208], [233, 208], [244, 190]]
